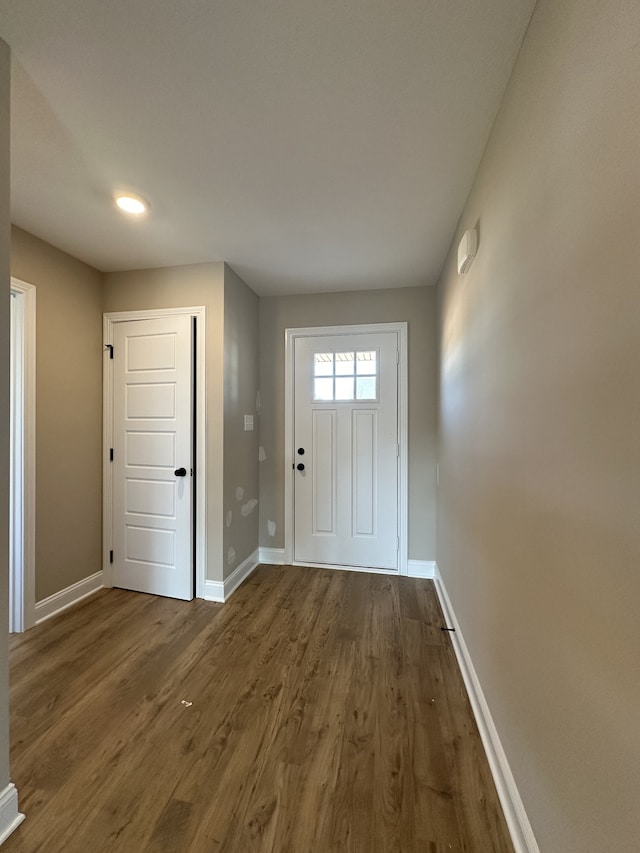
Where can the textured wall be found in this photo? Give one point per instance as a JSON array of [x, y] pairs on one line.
[[538, 533], [241, 491]]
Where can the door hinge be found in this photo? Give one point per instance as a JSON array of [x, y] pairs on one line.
[[110, 348], [397, 543], [397, 356], [111, 556], [111, 454]]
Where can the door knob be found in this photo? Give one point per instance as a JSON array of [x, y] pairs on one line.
[[301, 451], [300, 466], [180, 472]]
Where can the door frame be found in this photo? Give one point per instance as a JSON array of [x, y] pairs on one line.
[[401, 329], [200, 477], [22, 496]]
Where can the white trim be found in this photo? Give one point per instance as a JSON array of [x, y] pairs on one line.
[[277, 557], [221, 590], [422, 569], [401, 329], [214, 591], [60, 601], [10, 817], [240, 574], [273, 556], [368, 570], [24, 504], [200, 312], [515, 815]]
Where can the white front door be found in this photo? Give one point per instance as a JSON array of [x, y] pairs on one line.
[[346, 450], [152, 456]]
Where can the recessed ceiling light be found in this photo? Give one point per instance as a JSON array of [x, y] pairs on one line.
[[131, 204]]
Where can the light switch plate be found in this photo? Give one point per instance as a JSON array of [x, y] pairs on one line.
[[248, 423]]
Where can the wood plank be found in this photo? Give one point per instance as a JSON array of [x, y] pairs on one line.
[[326, 713]]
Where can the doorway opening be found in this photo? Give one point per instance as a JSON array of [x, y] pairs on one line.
[[22, 457], [346, 447]]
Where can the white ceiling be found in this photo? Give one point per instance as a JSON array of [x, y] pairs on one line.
[[312, 144]]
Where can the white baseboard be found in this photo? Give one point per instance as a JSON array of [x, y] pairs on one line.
[[335, 568], [10, 817], [421, 568], [278, 557], [59, 601], [213, 591], [240, 574], [515, 815], [273, 556], [417, 568], [221, 590]]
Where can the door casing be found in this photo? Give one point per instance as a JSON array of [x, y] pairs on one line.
[[109, 320], [23, 490], [403, 431]]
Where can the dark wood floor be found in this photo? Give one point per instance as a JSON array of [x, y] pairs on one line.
[[326, 713]]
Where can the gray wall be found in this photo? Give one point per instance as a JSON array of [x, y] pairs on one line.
[[415, 305], [68, 411], [177, 287], [538, 515], [5, 334], [240, 446]]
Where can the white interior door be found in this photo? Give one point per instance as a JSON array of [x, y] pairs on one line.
[[346, 450], [152, 438]]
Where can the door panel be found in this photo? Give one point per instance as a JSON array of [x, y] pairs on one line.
[[324, 459], [153, 389], [364, 472], [151, 449], [151, 352], [150, 402], [151, 498], [346, 420]]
